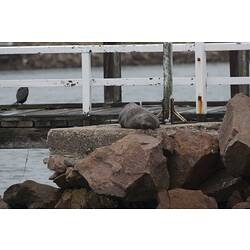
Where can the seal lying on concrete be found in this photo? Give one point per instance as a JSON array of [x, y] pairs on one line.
[[136, 117]]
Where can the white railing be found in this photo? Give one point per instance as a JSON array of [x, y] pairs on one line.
[[200, 80]]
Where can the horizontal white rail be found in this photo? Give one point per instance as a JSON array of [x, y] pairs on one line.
[[93, 49], [151, 81], [226, 46], [126, 48]]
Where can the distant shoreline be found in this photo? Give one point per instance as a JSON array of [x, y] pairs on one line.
[[23, 62]]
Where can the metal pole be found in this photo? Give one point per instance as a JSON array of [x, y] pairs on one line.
[[167, 80], [239, 66], [112, 69]]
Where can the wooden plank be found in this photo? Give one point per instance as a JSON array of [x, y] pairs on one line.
[[41, 83], [228, 80], [167, 80], [201, 78], [112, 69], [226, 46], [86, 84], [151, 81], [239, 66], [125, 48]]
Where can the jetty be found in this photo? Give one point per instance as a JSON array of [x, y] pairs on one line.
[[40, 118]]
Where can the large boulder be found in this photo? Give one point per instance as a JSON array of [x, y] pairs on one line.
[[81, 198], [235, 198], [134, 116], [3, 204], [234, 136], [133, 169], [30, 194], [185, 199], [193, 156], [243, 205], [222, 185]]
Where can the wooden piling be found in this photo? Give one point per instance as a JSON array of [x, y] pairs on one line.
[[112, 69], [167, 80], [239, 66]]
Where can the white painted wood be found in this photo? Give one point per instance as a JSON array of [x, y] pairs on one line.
[[70, 83], [152, 81], [86, 83], [201, 78], [128, 48], [40, 83], [226, 46], [228, 80]]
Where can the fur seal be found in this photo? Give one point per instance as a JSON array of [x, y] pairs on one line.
[[135, 117]]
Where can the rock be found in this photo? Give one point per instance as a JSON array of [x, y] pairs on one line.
[[243, 205], [134, 116], [81, 198], [234, 136], [133, 168], [81, 141], [3, 204], [30, 194], [163, 199], [59, 163], [193, 156], [222, 185], [234, 199], [70, 179], [185, 199]]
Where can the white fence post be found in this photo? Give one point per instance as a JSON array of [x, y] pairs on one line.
[[86, 83], [201, 78]]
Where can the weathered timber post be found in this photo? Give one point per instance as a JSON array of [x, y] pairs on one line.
[[167, 80], [239, 66], [112, 69]]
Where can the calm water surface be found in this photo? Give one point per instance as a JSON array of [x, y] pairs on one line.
[[13, 165]]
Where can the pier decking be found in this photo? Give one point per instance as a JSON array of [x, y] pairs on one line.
[[70, 115]]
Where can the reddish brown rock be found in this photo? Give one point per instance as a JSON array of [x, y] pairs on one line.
[[3, 204], [60, 163], [222, 185], [193, 156], [163, 199], [81, 198], [234, 199], [234, 136], [133, 168], [30, 194], [70, 179], [185, 199], [243, 205]]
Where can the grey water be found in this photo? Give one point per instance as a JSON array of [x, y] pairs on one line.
[[17, 165]]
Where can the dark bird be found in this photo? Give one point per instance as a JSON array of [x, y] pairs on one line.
[[22, 95]]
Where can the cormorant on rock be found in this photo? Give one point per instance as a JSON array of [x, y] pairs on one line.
[[22, 95]]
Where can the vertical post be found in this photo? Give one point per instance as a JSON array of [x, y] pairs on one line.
[[167, 80], [86, 84], [112, 69], [239, 66], [201, 78]]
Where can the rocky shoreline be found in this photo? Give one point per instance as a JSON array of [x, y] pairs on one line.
[[187, 166]]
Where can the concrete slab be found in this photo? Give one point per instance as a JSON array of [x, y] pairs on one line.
[[80, 141]]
